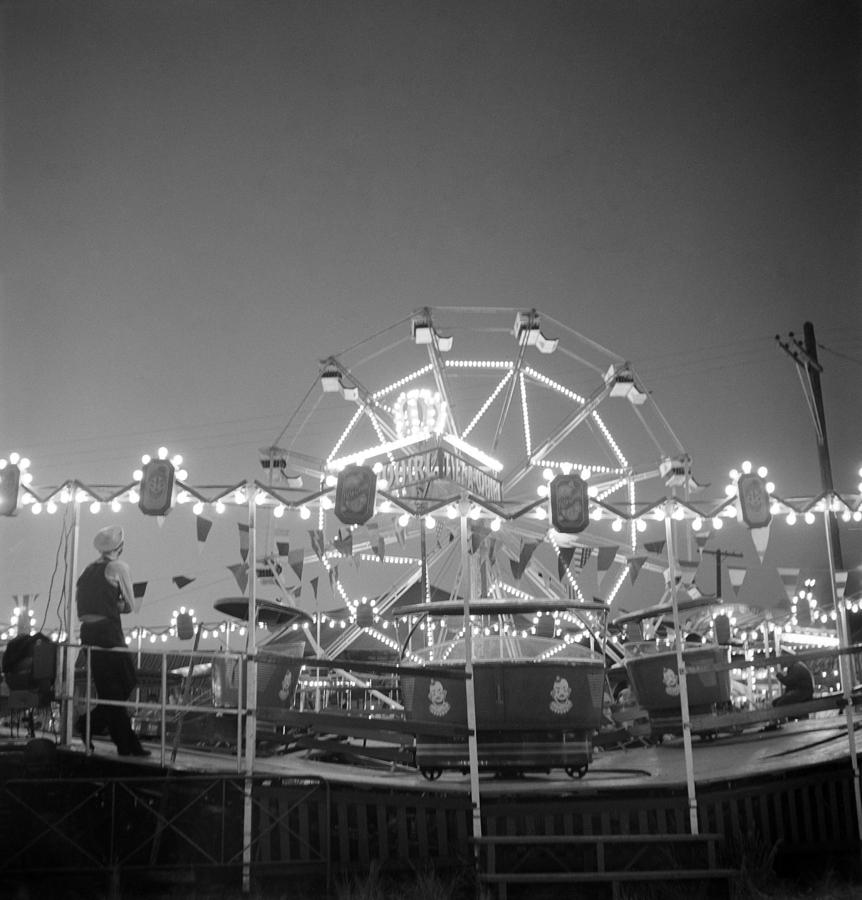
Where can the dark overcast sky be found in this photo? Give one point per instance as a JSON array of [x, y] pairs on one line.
[[202, 199]]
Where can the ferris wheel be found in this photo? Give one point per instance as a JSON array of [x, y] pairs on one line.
[[470, 417]]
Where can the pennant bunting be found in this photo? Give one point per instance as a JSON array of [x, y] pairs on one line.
[[635, 565], [605, 558], [687, 570], [853, 584], [517, 570], [316, 536], [343, 543], [139, 588], [478, 532], [790, 579], [240, 573], [656, 547], [737, 576], [203, 526], [283, 547], [760, 536], [243, 540], [295, 560], [528, 548], [181, 581], [313, 584]]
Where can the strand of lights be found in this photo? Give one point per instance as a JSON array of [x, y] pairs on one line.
[[525, 412], [567, 467], [479, 455], [391, 388], [514, 591], [375, 424], [478, 364], [350, 425], [484, 408], [618, 584], [389, 560], [555, 385], [610, 439]]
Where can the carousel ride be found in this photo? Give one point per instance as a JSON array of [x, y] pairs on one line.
[[444, 526]]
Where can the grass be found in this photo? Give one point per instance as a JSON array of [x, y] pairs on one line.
[[426, 884]]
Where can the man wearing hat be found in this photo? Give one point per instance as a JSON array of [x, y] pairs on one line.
[[104, 592]]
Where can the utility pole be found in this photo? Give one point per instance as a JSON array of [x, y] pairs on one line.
[[719, 556], [804, 354]]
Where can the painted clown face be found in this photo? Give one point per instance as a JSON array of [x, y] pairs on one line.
[[436, 693]]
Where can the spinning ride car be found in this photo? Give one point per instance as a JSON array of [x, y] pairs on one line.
[[653, 673], [538, 699]]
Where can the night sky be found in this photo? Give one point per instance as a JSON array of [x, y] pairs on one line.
[[200, 200]]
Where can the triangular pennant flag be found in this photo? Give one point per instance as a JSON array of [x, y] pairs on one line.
[[635, 565], [139, 588], [737, 576], [343, 543], [655, 547], [687, 570], [316, 536], [564, 560], [760, 536], [240, 573], [313, 584], [181, 581], [528, 548], [517, 569], [295, 561], [243, 540], [478, 533], [606, 557], [283, 547], [790, 579], [701, 540], [853, 585], [203, 527]]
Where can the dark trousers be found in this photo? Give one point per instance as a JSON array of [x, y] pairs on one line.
[[114, 677]]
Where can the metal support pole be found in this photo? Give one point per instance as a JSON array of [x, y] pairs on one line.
[[469, 688], [69, 670], [250, 692], [846, 681], [683, 685]]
